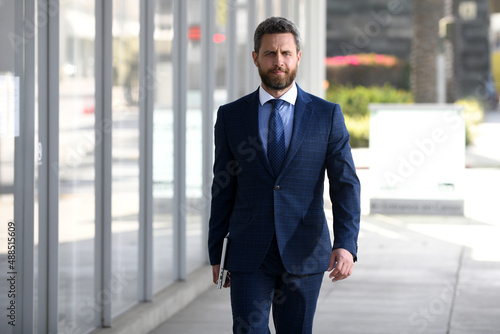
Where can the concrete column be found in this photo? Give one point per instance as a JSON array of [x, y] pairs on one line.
[[312, 66]]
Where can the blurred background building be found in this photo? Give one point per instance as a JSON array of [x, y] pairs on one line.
[[106, 120], [410, 30]]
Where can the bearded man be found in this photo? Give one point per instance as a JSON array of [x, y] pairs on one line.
[[272, 148]]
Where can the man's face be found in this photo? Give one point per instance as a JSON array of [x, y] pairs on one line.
[[277, 61]]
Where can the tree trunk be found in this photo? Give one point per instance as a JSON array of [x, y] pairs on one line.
[[425, 48]]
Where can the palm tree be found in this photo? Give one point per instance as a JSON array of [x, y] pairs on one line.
[[425, 48]]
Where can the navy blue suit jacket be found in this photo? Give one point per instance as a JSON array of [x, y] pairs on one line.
[[253, 204]]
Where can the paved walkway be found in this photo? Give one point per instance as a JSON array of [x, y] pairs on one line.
[[416, 274]]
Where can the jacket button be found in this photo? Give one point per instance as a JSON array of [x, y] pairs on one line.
[[277, 188]]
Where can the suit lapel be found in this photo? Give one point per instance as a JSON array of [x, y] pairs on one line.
[[302, 115], [251, 124]]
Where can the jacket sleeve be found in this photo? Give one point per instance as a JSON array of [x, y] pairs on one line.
[[223, 190], [344, 186]]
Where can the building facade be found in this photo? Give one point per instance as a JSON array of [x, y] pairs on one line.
[[106, 139], [373, 26]]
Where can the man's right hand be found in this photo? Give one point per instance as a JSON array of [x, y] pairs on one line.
[[215, 274]]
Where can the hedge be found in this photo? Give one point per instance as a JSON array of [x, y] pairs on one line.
[[354, 102]]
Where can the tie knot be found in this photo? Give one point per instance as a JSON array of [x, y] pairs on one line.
[[276, 103]]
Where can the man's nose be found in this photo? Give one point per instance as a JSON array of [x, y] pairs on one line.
[[279, 59]]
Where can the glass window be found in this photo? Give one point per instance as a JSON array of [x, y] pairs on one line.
[[220, 46], [125, 154], [163, 149], [261, 10], [244, 49], [194, 200], [76, 164]]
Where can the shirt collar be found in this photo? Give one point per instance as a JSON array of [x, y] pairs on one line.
[[290, 96]]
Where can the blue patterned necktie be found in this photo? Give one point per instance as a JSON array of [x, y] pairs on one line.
[[276, 137]]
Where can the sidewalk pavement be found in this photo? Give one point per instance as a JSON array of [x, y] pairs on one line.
[[416, 274]]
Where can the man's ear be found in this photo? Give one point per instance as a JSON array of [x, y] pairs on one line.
[[299, 55], [255, 56]]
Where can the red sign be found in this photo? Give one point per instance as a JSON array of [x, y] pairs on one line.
[[194, 33]]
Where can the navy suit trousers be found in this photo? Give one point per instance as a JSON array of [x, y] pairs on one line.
[[293, 298]]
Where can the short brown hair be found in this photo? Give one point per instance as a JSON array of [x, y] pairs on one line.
[[276, 25]]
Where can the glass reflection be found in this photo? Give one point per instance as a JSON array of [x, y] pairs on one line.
[[76, 168], [243, 55], [163, 149], [125, 152], [194, 201]]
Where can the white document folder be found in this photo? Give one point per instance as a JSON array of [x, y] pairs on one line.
[[223, 271]]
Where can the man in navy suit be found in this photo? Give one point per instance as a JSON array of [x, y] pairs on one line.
[[268, 188]]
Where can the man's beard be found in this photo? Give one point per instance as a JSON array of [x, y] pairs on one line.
[[278, 83]]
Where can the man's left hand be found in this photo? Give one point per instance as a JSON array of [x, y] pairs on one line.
[[341, 264]]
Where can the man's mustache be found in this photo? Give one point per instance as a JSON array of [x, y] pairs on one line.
[[281, 69]]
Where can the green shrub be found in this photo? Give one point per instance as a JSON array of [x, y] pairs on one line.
[[359, 130], [354, 102]]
